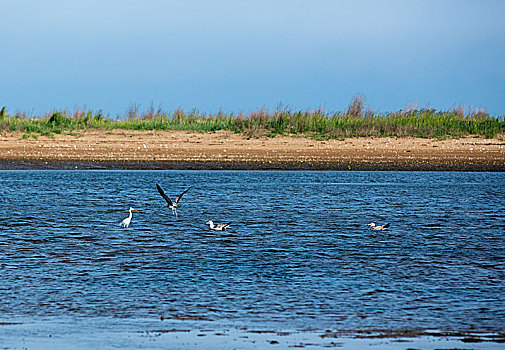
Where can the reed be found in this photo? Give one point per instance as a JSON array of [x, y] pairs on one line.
[[355, 122]]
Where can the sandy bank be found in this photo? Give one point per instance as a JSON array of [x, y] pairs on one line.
[[126, 149]]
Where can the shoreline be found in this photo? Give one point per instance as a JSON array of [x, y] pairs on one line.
[[13, 165], [182, 150]]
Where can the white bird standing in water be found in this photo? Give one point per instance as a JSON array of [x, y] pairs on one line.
[[126, 222], [378, 228], [219, 227]]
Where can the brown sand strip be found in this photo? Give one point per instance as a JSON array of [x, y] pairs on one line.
[[125, 149]]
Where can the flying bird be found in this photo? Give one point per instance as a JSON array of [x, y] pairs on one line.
[[378, 228], [126, 222], [170, 204], [219, 227]]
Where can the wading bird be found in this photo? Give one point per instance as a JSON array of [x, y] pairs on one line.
[[378, 228], [170, 204], [126, 222], [220, 227]]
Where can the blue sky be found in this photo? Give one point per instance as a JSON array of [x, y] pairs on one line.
[[244, 55]]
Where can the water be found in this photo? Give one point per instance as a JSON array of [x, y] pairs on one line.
[[297, 255]]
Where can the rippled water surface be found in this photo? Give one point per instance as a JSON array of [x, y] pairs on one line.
[[298, 252]]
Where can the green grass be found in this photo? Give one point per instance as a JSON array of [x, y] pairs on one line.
[[318, 124]]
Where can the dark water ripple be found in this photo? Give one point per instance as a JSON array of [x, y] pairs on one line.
[[298, 252]]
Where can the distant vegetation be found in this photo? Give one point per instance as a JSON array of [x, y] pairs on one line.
[[355, 122]]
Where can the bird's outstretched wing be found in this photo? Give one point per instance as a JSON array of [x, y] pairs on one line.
[[163, 194], [180, 196]]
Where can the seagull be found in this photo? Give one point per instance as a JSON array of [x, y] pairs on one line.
[[378, 228], [126, 222], [220, 227], [171, 205]]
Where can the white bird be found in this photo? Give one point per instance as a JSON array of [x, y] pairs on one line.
[[219, 227], [378, 228], [126, 222], [170, 204]]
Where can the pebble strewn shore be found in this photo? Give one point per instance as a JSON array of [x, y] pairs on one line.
[[126, 149]]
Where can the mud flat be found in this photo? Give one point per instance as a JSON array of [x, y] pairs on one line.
[[106, 333], [126, 149]]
